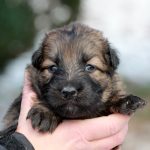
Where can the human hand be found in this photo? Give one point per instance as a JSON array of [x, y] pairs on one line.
[[103, 133]]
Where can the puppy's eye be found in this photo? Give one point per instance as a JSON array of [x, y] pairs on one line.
[[90, 68], [53, 68]]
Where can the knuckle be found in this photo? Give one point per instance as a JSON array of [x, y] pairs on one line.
[[119, 138], [81, 143], [113, 129]]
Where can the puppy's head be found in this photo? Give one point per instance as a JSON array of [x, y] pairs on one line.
[[75, 68]]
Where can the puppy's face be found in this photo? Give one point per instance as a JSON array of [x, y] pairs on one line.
[[75, 67]]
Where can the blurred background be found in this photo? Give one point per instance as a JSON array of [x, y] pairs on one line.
[[126, 23]]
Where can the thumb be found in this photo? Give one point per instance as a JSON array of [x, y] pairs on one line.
[[28, 97]]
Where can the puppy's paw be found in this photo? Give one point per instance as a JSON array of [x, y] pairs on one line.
[[43, 119], [128, 105]]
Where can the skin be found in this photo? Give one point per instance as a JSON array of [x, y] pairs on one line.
[[103, 133]]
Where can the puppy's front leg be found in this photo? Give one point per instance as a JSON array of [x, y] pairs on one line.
[[43, 118], [127, 105]]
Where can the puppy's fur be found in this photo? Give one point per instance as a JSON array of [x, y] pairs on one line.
[[74, 76]]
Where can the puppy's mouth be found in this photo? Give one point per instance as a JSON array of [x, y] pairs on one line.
[[72, 110]]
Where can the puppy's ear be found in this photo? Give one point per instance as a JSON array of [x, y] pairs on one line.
[[112, 58], [37, 59]]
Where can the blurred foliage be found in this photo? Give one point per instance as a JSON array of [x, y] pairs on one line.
[[17, 25], [16, 29], [138, 89]]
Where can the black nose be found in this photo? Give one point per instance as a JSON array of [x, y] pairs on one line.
[[69, 91]]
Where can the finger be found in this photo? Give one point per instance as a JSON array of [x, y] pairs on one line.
[[110, 142], [102, 127], [27, 89], [28, 96]]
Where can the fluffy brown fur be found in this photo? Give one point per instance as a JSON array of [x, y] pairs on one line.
[[74, 76]]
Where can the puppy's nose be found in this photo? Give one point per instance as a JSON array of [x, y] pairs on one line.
[[69, 91]]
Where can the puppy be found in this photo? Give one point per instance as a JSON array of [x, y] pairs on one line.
[[74, 76]]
